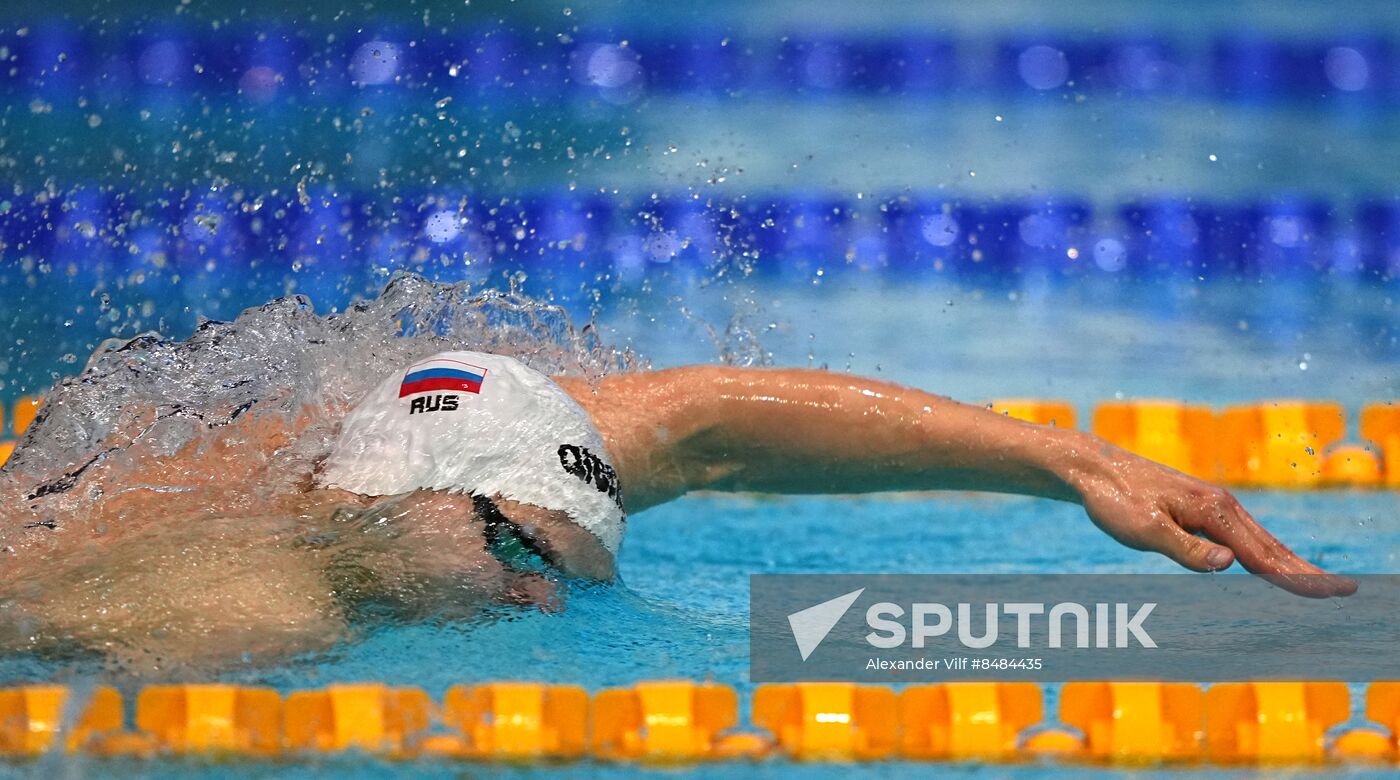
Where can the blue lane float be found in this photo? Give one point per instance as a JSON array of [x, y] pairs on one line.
[[567, 240], [264, 64]]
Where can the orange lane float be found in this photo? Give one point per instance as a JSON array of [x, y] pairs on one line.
[[211, 718], [25, 410], [20, 417], [1052, 743], [1278, 443], [1380, 425], [669, 721], [514, 720], [1383, 707], [30, 718], [1169, 432], [683, 722], [1272, 721], [1351, 466], [1135, 721], [1057, 413], [37, 718], [829, 720], [1363, 745], [966, 719], [369, 717]]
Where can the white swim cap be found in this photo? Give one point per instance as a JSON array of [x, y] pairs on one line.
[[482, 424]]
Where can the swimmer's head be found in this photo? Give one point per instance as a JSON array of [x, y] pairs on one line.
[[485, 425]]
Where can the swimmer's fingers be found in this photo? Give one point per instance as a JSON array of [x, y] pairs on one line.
[[1192, 552], [1223, 520], [1149, 526]]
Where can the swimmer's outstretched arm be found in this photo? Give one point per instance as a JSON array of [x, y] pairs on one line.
[[801, 431]]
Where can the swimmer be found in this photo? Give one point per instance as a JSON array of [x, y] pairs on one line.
[[478, 479]]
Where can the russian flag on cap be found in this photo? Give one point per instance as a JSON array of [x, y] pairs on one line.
[[442, 374]]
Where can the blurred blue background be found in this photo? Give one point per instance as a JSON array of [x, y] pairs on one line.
[[1228, 166], [1085, 199]]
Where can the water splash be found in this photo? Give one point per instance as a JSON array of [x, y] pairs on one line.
[[283, 359]]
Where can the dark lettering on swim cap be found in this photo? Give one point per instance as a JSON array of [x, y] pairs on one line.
[[432, 403], [591, 469]]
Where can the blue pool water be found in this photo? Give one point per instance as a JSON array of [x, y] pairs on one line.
[[680, 609], [1065, 140]]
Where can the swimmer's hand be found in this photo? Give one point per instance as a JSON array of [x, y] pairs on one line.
[[1148, 506]]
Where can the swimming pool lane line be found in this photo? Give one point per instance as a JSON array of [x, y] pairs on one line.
[[1273, 723]]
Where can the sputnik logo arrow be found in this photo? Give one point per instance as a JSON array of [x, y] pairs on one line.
[[811, 625]]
